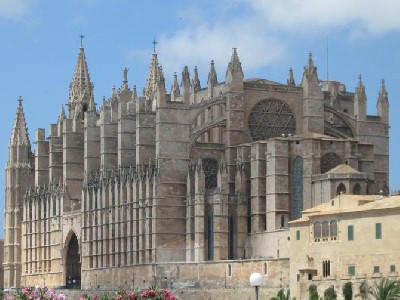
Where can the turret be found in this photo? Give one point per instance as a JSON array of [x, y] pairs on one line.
[[382, 106], [360, 101], [80, 89], [175, 92], [212, 80], [195, 85], [313, 100], [290, 80], [18, 179], [185, 83], [234, 73]]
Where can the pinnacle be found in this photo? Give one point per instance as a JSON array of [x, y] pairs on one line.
[[19, 135]]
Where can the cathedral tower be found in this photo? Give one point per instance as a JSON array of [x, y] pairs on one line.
[[18, 175]]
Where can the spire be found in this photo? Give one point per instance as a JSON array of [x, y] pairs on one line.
[[175, 92], [81, 88], [360, 89], [62, 113], [185, 83], [125, 80], [152, 78], [234, 71], [383, 95], [360, 101], [19, 134], [134, 94], [290, 80], [212, 75], [383, 103], [310, 71], [196, 81]]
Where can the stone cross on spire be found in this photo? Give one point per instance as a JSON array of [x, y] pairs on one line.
[[154, 44]]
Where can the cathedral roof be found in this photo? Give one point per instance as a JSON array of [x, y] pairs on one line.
[[19, 134]]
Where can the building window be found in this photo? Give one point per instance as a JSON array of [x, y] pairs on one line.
[[298, 235], [341, 189], [392, 268], [378, 231], [350, 233], [357, 189], [298, 277], [229, 270], [317, 230], [265, 268], [297, 188], [326, 268], [376, 269], [351, 270], [333, 228], [325, 229]]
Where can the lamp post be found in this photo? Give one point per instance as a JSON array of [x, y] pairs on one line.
[[256, 281]]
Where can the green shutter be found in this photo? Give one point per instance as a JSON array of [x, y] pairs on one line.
[[378, 231], [350, 233], [392, 268], [298, 235], [352, 270], [376, 269]]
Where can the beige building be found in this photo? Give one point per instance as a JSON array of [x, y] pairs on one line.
[[192, 175], [349, 238]]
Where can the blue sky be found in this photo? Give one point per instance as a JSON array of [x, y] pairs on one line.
[[40, 43]]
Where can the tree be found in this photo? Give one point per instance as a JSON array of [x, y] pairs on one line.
[[330, 294], [312, 289], [347, 291], [386, 289]]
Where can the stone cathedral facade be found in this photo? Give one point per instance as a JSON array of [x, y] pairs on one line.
[[195, 174]]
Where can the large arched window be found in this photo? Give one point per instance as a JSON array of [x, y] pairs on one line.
[[329, 161], [297, 188]]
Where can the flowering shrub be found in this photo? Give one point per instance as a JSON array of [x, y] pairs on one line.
[[150, 293], [37, 293]]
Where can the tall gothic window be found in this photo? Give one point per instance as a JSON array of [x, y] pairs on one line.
[[329, 161], [297, 188], [210, 168]]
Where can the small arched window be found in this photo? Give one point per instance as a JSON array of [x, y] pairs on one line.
[[341, 189], [357, 189], [282, 221], [317, 230], [333, 228], [325, 229]]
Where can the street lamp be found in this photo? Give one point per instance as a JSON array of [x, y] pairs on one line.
[[256, 280]]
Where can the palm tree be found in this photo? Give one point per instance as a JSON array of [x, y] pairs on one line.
[[386, 289]]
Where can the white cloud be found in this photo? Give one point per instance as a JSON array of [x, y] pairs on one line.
[[13, 9], [202, 43], [368, 16], [261, 30]]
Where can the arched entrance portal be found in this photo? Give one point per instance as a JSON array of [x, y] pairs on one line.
[[73, 263]]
